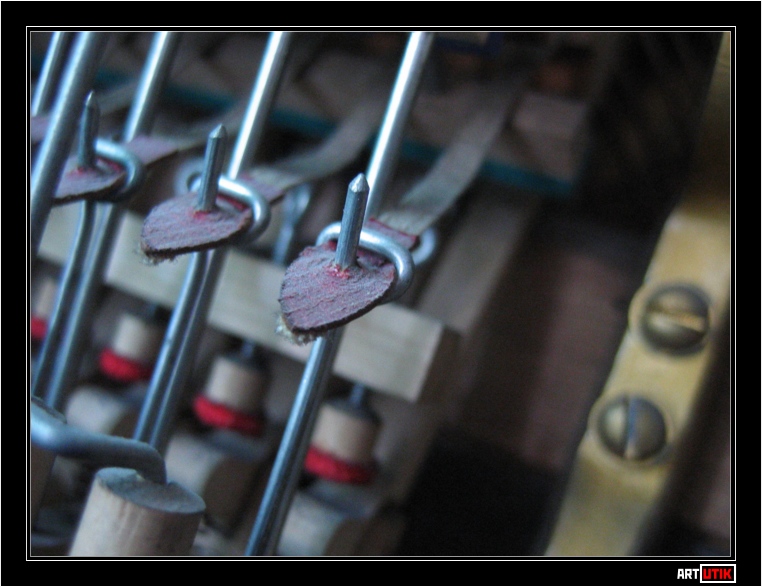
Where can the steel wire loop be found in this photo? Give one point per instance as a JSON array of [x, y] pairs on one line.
[[246, 196], [127, 160], [385, 246]]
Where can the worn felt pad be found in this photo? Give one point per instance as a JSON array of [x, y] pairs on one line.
[[317, 296], [175, 227], [88, 183]]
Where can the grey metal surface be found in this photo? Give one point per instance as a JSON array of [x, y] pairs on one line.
[[262, 97], [53, 434], [142, 113], [48, 167], [293, 448], [386, 152], [50, 74]]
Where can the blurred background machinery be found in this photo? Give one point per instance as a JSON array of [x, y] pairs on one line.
[[549, 275]]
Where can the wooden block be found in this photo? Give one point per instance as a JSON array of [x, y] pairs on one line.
[[392, 349], [99, 410], [329, 519], [221, 474]]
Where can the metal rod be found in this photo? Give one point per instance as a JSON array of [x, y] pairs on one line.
[[159, 61], [68, 361], [171, 347], [182, 323], [213, 159], [279, 493], [386, 151], [53, 434], [48, 168], [71, 275], [180, 372], [358, 396], [162, 398], [50, 74], [293, 206], [293, 448], [351, 222], [88, 132], [263, 95]]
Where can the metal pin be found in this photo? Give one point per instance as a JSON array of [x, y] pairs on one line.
[[143, 110], [77, 81], [351, 222], [88, 132], [213, 159], [72, 273], [288, 463], [171, 371], [293, 448]]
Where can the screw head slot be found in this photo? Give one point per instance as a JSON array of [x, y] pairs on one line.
[[676, 319]]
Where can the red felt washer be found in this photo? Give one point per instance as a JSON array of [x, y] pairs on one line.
[[221, 416], [82, 183], [176, 227], [38, 328], [316, 295], [324, 465], [122, 369]]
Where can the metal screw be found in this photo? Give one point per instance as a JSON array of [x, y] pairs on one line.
[[676, 319], [633, 428]]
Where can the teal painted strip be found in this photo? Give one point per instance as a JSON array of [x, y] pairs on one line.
[[311, 126]]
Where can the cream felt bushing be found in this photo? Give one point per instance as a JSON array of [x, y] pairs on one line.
[[345, 433], [137, 339], [237, 385]]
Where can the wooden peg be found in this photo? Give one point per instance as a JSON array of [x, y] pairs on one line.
[[127, 515], [236, 384], [133, 350], [42, 308], [221, 476], [342, 444]]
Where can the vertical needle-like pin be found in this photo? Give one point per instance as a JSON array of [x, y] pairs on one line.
[[293, 448], [72, 272], [88, 132], [215, 154], [352, 221]]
